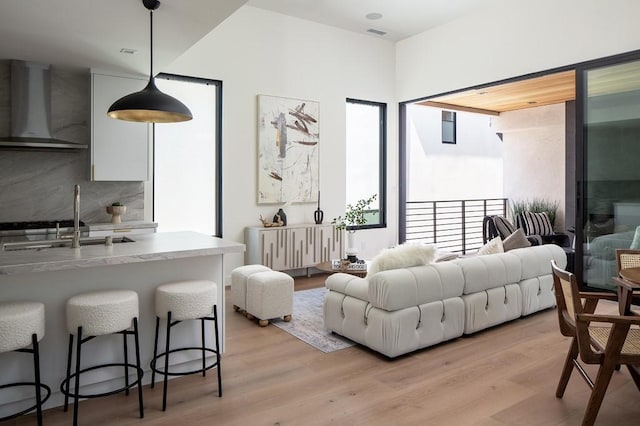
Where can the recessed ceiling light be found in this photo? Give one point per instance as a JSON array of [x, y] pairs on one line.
[[373, 16], [484, 92], [128, 51], [532, 102]]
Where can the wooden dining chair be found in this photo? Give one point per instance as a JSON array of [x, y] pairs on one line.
[[611, 345]]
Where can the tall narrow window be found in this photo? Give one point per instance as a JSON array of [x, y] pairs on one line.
[[186, 178], [366, 157], [448, 127]]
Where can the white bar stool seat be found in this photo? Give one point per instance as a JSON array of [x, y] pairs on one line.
[[22, 325], [181, 301], [100, 313]]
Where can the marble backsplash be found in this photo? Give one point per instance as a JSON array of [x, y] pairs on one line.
[[38, 185]]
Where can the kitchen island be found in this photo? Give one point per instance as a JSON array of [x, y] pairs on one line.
[[52, 275]]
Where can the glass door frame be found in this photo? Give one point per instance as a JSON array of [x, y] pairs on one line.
[[581, 156]]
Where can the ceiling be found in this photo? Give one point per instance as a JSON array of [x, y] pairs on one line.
[[90, 34], [533, 92], [400, 18]]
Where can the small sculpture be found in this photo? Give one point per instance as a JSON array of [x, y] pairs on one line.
[[280, 216], [266, 224], [318, 215]]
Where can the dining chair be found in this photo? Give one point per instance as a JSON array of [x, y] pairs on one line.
[[608, 346], [627, 258]]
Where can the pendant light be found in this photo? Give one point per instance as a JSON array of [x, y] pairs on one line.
[[150, 105]]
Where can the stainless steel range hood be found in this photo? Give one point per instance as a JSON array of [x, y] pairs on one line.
[[31, 110]]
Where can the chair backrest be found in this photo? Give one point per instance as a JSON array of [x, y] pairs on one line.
[[496, 226], [627, 258], [563, 284]]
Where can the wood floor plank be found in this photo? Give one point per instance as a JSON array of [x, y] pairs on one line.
[[506, 375]]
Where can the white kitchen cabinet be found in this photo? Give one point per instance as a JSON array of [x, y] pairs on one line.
[[293, 246], [119, 149]]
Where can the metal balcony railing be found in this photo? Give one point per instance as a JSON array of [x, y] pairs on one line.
[[454, 225]]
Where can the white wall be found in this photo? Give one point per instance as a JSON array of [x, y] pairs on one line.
[[534, 155], [469, 169], [259, 52], [513, 39]]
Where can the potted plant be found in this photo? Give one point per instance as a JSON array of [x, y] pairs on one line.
[[353, 217]]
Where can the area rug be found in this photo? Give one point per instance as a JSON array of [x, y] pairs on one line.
[[307, 323]]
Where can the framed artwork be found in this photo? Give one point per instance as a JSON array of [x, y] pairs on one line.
[[288, 143]]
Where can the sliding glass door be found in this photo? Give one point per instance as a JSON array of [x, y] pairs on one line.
[[608, 190]]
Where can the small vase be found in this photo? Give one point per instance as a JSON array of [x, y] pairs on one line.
[[318, 215], [116, 212], [351, 251]]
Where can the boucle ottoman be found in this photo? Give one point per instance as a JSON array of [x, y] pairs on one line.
[[239, 277], [269, 295]]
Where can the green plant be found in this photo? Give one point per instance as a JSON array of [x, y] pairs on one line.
[[537, 205], [116, 203], [355, 214]]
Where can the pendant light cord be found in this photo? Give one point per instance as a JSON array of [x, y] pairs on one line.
[[151, 44]]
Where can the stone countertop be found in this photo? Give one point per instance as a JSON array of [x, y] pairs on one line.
[[107, 226], [144, 248]]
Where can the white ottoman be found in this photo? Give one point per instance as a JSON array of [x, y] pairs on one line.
[[269, 295], [239, 277]]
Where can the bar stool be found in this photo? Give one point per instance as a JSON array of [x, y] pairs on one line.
[[100, 313], [182, 301], [21, 326]]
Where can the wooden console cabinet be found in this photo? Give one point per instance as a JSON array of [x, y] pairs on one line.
[[293, 246]]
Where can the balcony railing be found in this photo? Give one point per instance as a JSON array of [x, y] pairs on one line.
[[454, 225]]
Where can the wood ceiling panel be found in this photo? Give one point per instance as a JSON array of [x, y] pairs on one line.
[[533, 92]]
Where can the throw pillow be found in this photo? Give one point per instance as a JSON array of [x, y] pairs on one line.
[[635, 244], [492, 247], [536, 223], [503, 226], [516, 240], [402, 256]]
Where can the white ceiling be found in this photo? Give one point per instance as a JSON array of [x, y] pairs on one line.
[[401, 18], [91, 33]]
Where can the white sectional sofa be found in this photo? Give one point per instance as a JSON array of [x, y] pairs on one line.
[[402, 310]]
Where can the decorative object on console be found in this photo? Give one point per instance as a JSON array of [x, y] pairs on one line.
[[354, 216], [271, 224], [116, 210], [402, 256], [318, 215], [288, 138], [150, 105], [280, 217]]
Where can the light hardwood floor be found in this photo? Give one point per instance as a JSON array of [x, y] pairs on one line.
[[503, 376]]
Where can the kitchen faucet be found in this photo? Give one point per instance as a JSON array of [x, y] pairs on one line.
[[75, 243]]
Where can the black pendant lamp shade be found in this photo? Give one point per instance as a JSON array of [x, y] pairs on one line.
[[150, 105]]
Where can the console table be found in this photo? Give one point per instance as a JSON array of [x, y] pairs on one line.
[[293, 246]]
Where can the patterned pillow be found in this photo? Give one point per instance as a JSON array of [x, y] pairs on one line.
[[536, 223], [503, 226]]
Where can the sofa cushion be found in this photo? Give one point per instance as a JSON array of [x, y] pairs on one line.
[[485, 272], [348, 284], [492, 247], [536, 223], [402, 256], [503, 226], [536, 261], [400, 288], [516, 240]]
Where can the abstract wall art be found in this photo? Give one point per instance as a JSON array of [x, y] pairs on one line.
[[288, 144]]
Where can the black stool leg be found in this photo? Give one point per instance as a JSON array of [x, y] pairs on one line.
[[215, 327], [204, 364], [126, 363], [166, 364], [68, 381], [155, 354], [36, 370], [139, 370], [76, 391]]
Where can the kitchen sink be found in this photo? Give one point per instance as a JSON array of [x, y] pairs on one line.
[[47, 244]]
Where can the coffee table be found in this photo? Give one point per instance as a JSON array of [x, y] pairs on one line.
[[326, 267]]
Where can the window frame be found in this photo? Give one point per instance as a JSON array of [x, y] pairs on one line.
[[382, 167]]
